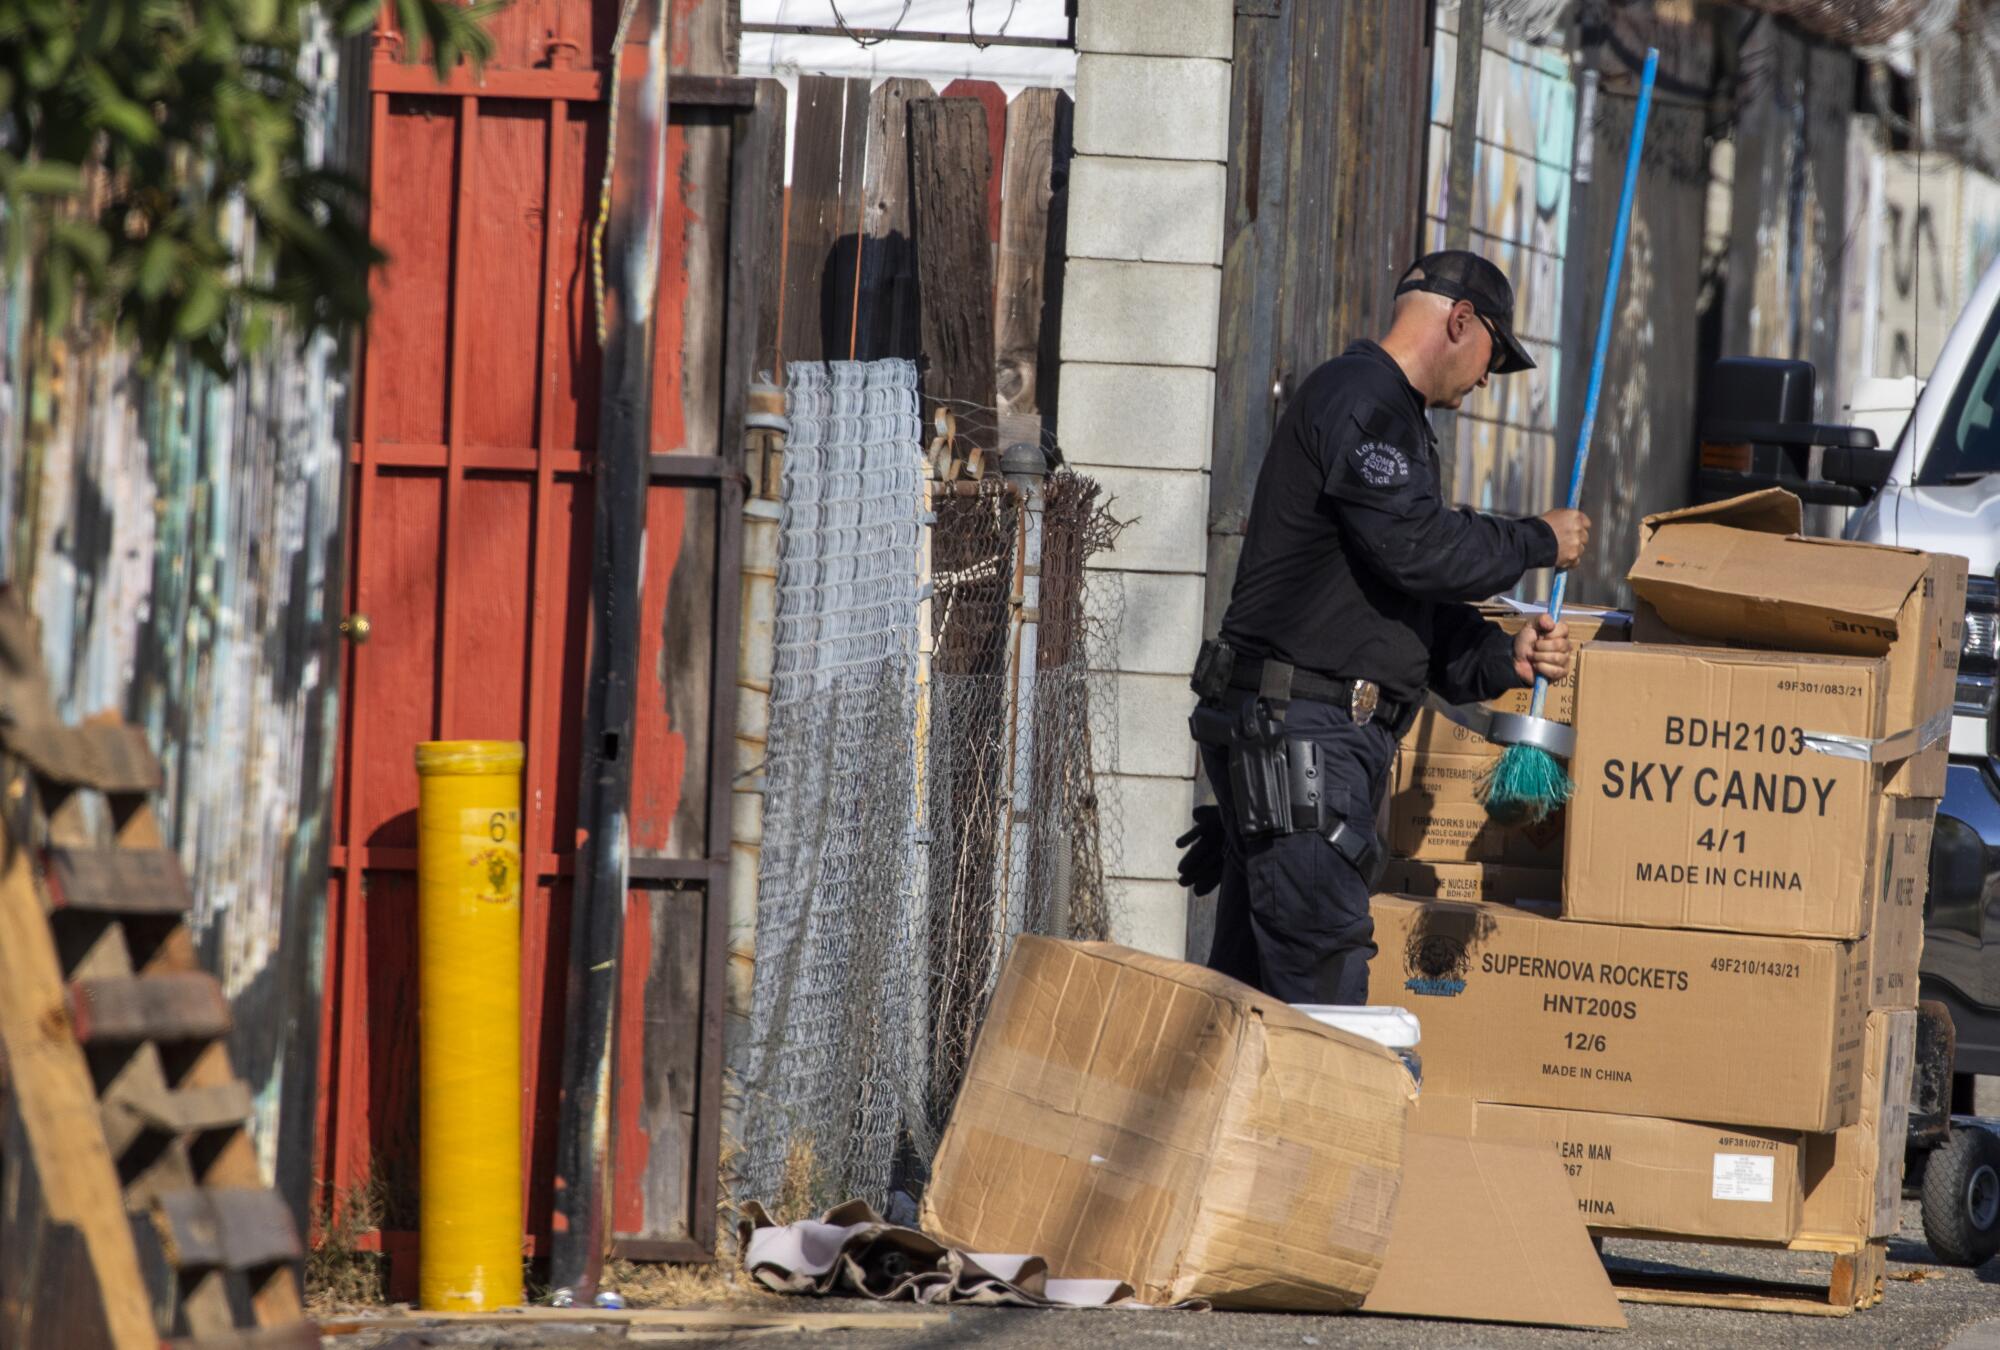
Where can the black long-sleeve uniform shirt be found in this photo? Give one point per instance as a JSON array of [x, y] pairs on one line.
[[1353, 566]]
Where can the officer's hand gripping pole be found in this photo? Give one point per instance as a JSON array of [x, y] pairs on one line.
[[1528, 781]]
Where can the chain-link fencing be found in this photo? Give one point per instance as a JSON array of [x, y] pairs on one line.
[[837, 1008], [1017, 721], [929, 781]]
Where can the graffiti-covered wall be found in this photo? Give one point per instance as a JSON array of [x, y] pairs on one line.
[[1642, 443], [1505, 437], [1555, 121], [1788, 165], [179, 537], [1919, 231]]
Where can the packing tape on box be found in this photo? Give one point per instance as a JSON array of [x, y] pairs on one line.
[[1478, 719], [1883, 749], [1509, 728]]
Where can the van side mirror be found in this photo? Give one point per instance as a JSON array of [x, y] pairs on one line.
[[1757, 431]]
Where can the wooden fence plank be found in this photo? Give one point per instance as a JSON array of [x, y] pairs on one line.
[[950, 161], [817, 321], [887, 322], [994, 99], [1326, 132], [1024, 232], [765, 145], [1048, 365]]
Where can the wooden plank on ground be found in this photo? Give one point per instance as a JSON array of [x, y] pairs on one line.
[[227, 1228], [179, 1006], [887, 320], [950, 163], [139, 1098], [829, 132], [54, 1133], [784, 1314], [297, 1336], [117, 881], [1855, 1282]]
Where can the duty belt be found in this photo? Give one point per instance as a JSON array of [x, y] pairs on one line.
[[1363, 699]]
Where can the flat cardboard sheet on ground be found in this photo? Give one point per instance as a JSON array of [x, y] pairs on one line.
[[1489, 1232]]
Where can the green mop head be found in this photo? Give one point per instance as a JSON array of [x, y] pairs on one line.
[[1526, 784]]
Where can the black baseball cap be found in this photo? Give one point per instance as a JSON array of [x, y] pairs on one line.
[[1459, 275]]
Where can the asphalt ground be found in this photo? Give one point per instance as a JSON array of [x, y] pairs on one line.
[[1923, 1305]]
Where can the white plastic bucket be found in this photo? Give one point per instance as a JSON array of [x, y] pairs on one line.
[[1383, 1024]]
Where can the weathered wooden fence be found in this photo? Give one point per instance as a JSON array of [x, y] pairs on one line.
[[928, 226]]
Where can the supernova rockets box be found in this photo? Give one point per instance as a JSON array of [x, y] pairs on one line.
[[1710, 791], [1527, 1010]]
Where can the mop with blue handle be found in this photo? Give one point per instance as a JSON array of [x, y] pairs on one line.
[[1528, 782]]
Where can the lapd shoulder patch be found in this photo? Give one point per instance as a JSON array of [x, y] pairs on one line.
[[1381, 464]]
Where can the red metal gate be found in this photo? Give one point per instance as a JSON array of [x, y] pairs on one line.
[[469, 574]]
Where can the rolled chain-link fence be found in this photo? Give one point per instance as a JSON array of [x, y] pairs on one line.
[[917, 814], [837, 1025]]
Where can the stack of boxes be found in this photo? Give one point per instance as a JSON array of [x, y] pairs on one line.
[[1714, 1030], [1440, 839]]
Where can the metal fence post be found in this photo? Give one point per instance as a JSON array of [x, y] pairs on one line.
[[1025, 466]]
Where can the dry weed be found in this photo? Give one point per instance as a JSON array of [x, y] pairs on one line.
[[339, 1275], [796, 1193], [716, 1284]]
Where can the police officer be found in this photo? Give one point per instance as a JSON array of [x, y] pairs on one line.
[[1350, 600]]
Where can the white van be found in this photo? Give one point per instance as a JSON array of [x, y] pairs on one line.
[[1935, 487]]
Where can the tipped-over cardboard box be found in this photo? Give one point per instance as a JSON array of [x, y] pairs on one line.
[[1503, 883], [1139, 1119], [1532, 1011], [1642, 1174], [1854, 1176], [1702, 801], [1739, 571]]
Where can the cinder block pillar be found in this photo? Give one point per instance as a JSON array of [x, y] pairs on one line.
[[1139, 328]]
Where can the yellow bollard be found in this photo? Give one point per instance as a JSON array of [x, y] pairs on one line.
[[469, 955]]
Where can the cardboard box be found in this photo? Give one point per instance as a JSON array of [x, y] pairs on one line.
[[1483, 1233], [1503, 883], [1896, 923], [1854, 1176], [1437, 735], [1533, 1011], [1700, 804], [1739, 571], [1139, 1119], [1648, 1175], [1435, 814]]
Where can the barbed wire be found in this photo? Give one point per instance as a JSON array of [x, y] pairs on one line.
[[972, 31], [840, 21]]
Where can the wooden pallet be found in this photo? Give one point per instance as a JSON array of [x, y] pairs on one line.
[[1855, 1282], [132, 1208]]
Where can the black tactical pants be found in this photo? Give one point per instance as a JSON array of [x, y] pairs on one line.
[[1291, 917]]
